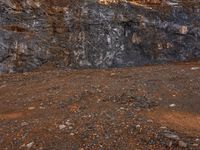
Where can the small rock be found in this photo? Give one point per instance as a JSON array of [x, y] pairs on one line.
[[72, 134], [42, 107], [150, 121], [62, 126], [195, 145], [172, 136], [2, 86], [121, 108], [183, 30], [68, 123], [170, 144], [197, 140], [98, 90], [163, 127], [172, 105], [113, 74], [182, 144], [138, 126], [24, 124], [195, 68], [29, 145], [31, 108], [98, 100], [136, 39]]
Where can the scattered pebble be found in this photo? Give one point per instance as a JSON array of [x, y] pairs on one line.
[[42, 107], [68, 123], [98, 90], [62, 126], [183, 30], [163, 127], [24, 124], [195, 145], [150, 121], [170, 144], [29, 145], [31, 108], [98, 100], [113, 74], [138, 126], [172, 136], [195, 68], [72, 134], [182, 144], [2, 86], [172, 105], [121, 108], [197, 140]]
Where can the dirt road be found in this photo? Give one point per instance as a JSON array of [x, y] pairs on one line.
[[151, 107]]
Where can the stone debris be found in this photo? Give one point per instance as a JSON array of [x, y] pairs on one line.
[[138, 126], [42, 107], [150, 121], [195, 68], [183, 29], [170, 144], [132, 112], [61, 127], [171, 136], [24, 123], [182, 144], [29, 145], [72, 134], [31, 108], [195, 145], [172, 105], [112, 74]]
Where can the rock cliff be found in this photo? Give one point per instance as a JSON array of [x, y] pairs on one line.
[[96, 33]]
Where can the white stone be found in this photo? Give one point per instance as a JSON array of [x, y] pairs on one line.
[[183, 30], [29, 145], [62, 126], [195, 68], [172, 105], [31, 108]]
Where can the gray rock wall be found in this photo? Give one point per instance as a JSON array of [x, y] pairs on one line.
[[93, 34]]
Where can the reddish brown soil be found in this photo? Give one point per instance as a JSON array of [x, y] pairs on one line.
[[101, 109]]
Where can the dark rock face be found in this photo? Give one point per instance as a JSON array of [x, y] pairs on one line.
[[96, 33]]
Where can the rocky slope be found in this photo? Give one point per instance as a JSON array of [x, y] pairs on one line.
[[96, 34]]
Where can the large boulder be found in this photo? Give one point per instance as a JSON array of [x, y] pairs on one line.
[[96, 33]]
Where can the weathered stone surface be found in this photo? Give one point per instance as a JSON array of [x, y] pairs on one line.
[[92, 33]]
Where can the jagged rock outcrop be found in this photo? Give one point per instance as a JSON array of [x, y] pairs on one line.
[[92, 33]]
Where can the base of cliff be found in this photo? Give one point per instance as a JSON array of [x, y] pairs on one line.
[[151, 107]]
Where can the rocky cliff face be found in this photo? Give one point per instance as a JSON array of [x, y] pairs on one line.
[[92, 33]]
